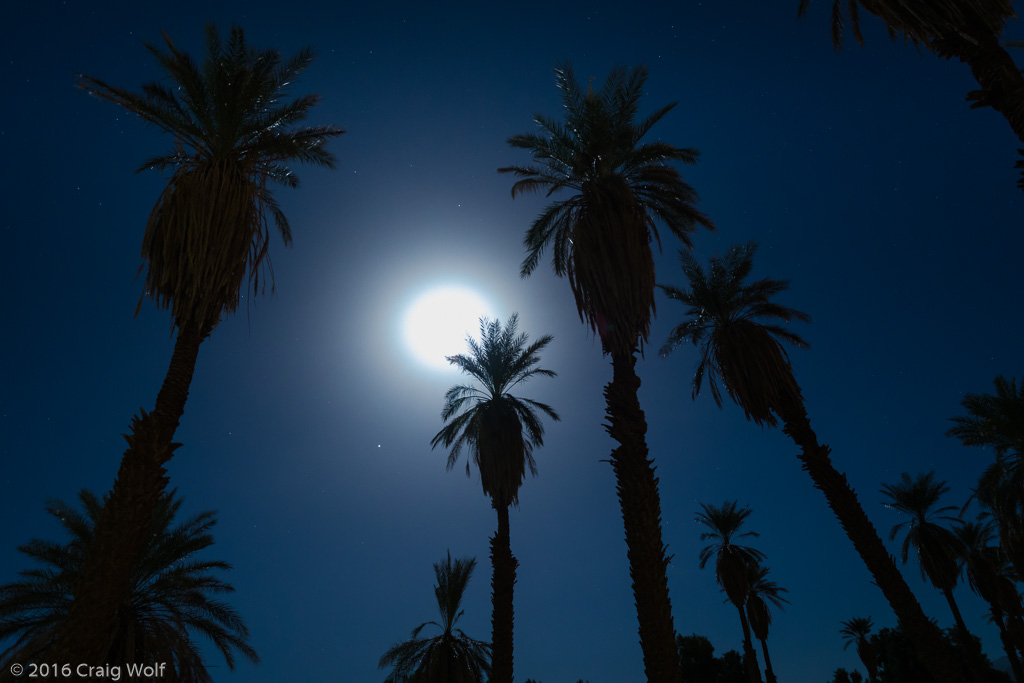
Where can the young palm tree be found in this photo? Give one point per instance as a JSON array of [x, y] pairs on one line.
[[234, 133], [984, 566], [938, 548], [733, 323], [735, 565], [857, 630], [618, 190], [171, 600], [451, 656], [968, 30], [501, 431], [762, 592]]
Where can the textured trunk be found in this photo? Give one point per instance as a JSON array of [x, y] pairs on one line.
[[1011, 651], [120, 532], [843, 501], [641, 515], [768, 673], [749, 654], [502, 584]]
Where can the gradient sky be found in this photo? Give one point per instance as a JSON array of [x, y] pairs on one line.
[[864, 176]]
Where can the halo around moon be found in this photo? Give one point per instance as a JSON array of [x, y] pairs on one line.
[[438, 321]]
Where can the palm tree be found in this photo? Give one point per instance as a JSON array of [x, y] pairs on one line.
[[234, 132], [762, 592], [984, 564], [724, 320], [735, 565], [452, 656], [937, 547], [857, 630], [968, 30], [171, 600], [501, 431], [994, 420], [600, 234]]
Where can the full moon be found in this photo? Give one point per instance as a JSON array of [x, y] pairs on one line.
[[437, 322]]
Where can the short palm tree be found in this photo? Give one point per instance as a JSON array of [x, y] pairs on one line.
[[451, 656], [938, 548], [735, 325], [500, 430], [615, 192], [763, 592], [171, 602], [858, 630], [735, 565], [968, 30], [234, 134]]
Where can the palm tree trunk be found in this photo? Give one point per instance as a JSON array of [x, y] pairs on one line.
[[502, 584], [749, 654], [843, 501], [1011, 651], [641, 516], [768, 673], [971, 647], [122, 527]]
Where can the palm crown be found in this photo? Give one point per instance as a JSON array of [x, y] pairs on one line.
[[451, 656], [171, 597], [724, 314], [734, 564], [855, 630], [500, 429], [600, 235], [234, 132], [995, 420], [936, 545]]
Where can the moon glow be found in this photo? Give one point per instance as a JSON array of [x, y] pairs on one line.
[[437, 322]]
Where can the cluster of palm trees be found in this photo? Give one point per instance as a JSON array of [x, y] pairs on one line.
[[982, 552], [741, 573], [236, 130]]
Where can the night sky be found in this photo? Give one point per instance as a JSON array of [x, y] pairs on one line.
[[869, 183]]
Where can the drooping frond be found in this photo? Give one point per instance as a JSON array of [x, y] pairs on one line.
[[995, 420]]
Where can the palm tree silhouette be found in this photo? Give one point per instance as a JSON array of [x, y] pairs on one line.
[[735, 565], [938, 548], [234, 133], [968, 30], [985, 565], [762, 592], [451, 656], [501, 431], [171, 601], [732, 322], [619, 189], [857, 630]]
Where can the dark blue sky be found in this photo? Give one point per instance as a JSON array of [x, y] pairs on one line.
[[865, 177]]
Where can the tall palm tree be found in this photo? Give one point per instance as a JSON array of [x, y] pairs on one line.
[[857, 630], [451, 656], [735, 565], [618, 190], [968, 30], [938, 548], [983, 564], [170, 603], [501, 431], [763, 592], [734, 323], [234, 132]]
